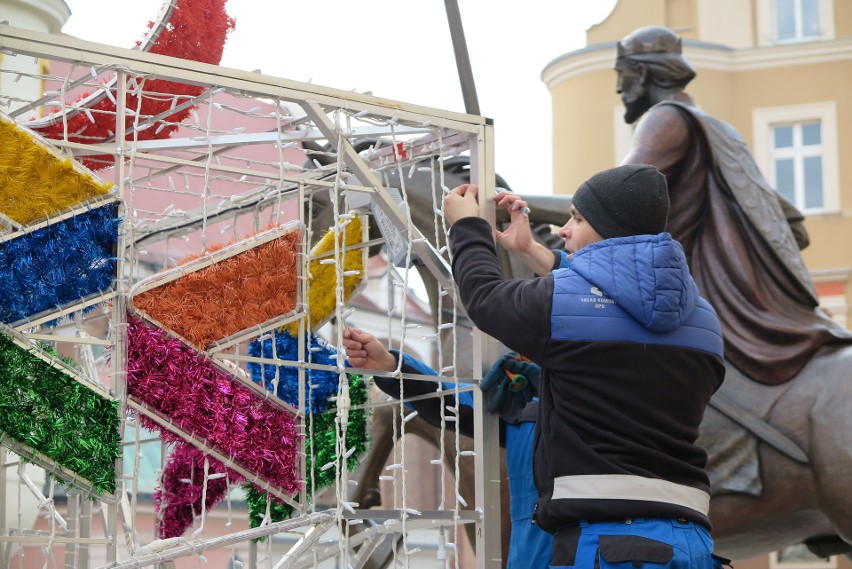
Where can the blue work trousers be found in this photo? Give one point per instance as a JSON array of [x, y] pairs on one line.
[[634, 543]]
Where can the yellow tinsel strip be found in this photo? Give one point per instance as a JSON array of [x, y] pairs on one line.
[[36, 181], [323, 277]]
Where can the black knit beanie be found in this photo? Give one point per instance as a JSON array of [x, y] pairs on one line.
[[627, 200]]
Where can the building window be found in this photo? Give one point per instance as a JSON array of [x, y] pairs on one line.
[[788, 21], [799, 557], [796, 20], [796, 149], [797, 164]]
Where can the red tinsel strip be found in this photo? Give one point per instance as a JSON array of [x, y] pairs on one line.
[[179, 383], [178, 499], [196, 31]]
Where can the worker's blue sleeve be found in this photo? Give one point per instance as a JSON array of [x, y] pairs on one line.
[[430, 408]]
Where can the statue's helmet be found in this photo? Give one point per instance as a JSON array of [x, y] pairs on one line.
[[650, 39], [661, 51]]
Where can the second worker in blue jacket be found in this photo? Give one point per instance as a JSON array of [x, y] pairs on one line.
[[630, 356]]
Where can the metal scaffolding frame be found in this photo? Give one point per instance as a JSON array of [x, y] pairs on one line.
[[424, 132]]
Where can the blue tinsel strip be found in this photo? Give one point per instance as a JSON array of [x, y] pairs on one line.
[[322, 414], [58, 264], [321, 384]]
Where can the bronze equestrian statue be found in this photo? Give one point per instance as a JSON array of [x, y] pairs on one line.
[[788, 362], [778, 431], [763, 499], [731, 224]]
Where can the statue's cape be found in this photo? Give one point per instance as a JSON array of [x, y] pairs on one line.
[[743, 254], [735, 167]]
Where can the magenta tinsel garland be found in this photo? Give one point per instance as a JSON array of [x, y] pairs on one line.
[[181, 384], [178, 499]]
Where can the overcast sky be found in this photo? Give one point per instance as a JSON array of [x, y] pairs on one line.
[[399, 50]]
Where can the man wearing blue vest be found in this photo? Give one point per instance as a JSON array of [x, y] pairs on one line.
[[630, 356]]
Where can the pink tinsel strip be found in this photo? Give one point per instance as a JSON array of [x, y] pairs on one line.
[[178, 382], [178, 500]]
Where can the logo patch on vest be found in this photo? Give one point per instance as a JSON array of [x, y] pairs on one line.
[[599, 298]]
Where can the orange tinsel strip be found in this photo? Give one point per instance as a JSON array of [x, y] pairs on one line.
[[234, 294]]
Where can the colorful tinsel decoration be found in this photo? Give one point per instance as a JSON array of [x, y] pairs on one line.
[[231, 295], [181, 384], [320, 384], [179, 498], [50, 412], [36, 182], [179, 501], [322, 278], [196, 31], [59, 263], [321, 450]]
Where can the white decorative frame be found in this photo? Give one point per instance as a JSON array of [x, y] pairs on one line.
[[411, 132]]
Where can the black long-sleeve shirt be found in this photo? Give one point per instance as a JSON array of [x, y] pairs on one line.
[[630, 357]]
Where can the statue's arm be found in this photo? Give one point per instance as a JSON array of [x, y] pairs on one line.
[[660, 138]]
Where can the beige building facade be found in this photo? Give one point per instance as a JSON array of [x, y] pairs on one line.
[[779, 71]]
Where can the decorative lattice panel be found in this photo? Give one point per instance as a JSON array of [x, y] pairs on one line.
[[180, 247]]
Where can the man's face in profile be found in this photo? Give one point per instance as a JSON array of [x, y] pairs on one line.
[[632, 90]]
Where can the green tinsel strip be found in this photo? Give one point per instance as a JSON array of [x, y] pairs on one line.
[[324, 451], [48, 411]]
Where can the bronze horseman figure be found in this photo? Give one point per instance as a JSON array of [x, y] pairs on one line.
[[742, 241]]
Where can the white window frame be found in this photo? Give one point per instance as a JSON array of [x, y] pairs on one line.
[[622, 134], [796, 154], [814, 563], [763, 121], [767, 34]]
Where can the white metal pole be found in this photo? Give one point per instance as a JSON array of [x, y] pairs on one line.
[[486, 425], [119, 320]]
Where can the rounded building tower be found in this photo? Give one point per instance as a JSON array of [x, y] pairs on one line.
[[19, 81]]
